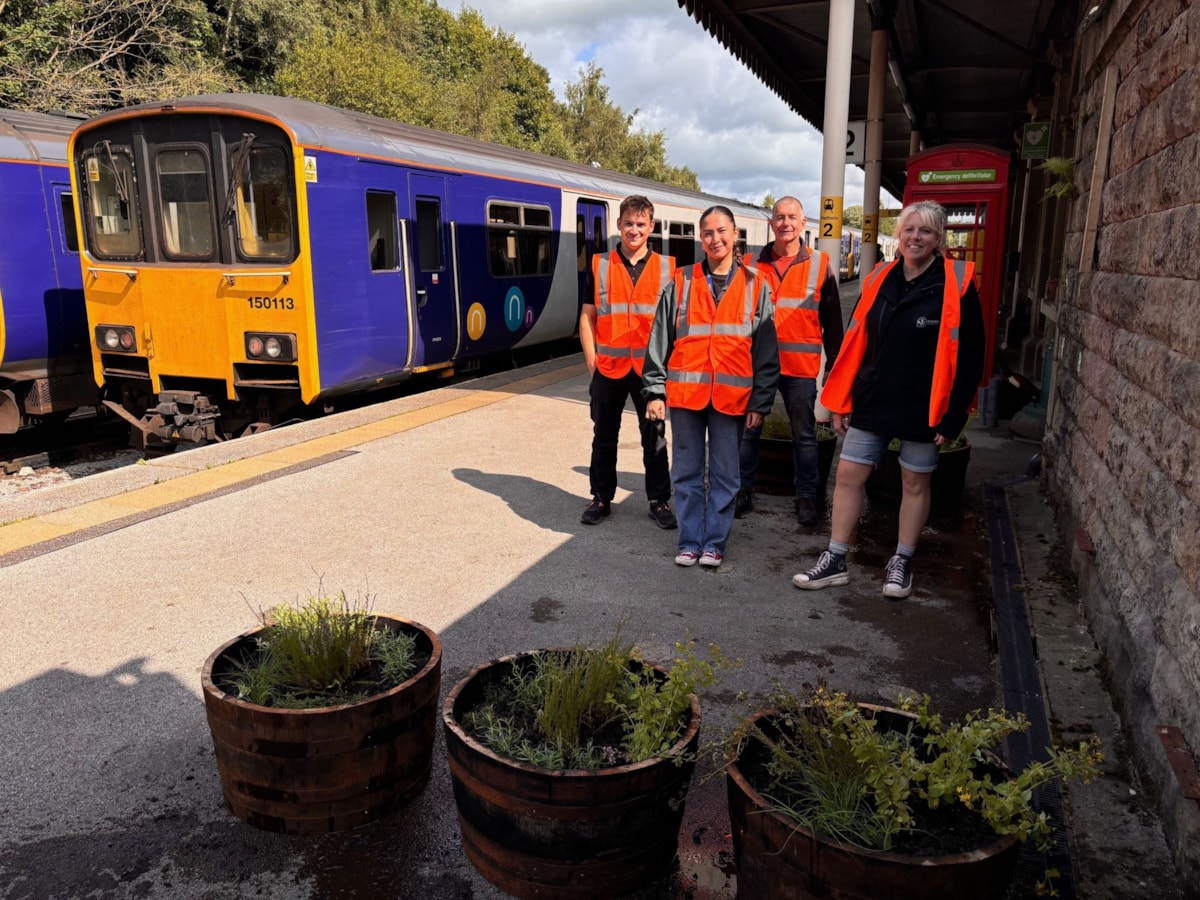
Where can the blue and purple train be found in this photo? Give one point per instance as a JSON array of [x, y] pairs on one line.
[[45, 346], [244, 255]]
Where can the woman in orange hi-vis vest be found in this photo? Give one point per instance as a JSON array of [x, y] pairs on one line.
[[908, 369], [713, 359]]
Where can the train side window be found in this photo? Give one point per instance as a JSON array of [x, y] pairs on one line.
[[581, 255], [655, 241], [681, 243], [520, 239], [740, 247], [113, 222], [264, 205], [185, 203], [429, 234], [599, 238], [382, 244], [70, 229]]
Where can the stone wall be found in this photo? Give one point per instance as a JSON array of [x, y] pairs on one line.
[[1123, 441]]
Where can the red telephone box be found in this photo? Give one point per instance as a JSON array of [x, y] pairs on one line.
[[971, 182]]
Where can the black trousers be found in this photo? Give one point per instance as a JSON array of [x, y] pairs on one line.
[[608, 396]]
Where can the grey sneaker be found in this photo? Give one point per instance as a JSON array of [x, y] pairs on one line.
[[830, 571], [897, 581]]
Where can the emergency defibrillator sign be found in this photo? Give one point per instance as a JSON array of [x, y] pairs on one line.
[[955, 176]]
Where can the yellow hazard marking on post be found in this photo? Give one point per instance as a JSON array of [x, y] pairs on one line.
[[831, 218]]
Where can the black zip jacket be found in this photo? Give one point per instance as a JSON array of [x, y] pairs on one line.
[[891, 390]]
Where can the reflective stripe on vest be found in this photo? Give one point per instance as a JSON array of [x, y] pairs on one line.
[[623, 328], [837, 395], [693, 379], [796, 321]]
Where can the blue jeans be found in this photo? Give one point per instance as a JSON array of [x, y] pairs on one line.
[[799, 396], [705, 515]]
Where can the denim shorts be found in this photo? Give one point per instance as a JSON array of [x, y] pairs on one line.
[[868, 449]]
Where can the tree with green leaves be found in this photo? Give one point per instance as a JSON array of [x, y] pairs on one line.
[[603, 133], [87, 56]]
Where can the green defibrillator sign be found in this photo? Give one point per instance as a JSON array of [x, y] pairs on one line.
[[955, 176], [1035, 140]]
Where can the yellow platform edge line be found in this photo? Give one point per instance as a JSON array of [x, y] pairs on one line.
[[25, 533]]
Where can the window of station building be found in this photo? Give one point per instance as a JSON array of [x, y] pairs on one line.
[[110, 202], [265, 210], [70, 229], [519, 239], [681, 243], [382, 243], [655, 241], [185, 203], [429, 234]]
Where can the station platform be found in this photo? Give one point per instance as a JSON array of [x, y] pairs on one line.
[[459, 508]]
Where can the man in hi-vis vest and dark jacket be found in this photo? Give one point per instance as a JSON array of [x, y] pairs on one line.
[[808, 317], [613, 330]]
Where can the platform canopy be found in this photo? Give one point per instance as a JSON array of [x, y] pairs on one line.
[[961, 71]]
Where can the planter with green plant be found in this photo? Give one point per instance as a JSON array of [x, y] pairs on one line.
[[324, 717], [832, 798], [776, 461], [570, 766], [946, 483]]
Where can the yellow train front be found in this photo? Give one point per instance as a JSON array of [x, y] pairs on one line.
[[196, 269], [245, 256]]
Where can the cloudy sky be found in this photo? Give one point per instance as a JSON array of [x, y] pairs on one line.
[[720, 121]]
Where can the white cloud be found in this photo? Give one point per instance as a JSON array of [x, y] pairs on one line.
[[719, 120]]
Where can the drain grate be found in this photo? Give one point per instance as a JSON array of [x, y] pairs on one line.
[[1021, 684]]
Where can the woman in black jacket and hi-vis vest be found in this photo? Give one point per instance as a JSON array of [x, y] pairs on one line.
[[908, 369]]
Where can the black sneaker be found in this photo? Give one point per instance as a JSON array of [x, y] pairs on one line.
[[897, 581], [829, 571], [596, 510], [743, 504], [806, 511], [661, 513]]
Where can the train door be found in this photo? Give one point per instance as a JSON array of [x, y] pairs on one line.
[[591, 237], [66, 315], [434, 292]]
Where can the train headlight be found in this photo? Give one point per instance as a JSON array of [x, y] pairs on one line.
[[273, 347], [119, 338]]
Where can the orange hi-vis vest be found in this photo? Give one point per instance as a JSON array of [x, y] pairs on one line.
[[625, 311], [797, 298], [838, 391], [712, 358]]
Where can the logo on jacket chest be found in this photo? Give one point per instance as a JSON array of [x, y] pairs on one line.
[[924, 322]]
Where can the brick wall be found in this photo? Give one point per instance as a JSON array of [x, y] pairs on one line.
[[1123, 441]]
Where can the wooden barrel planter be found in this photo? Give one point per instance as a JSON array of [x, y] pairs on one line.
[[565, 833], [777, 859], [315, 771], [946, 484], [776, 472]]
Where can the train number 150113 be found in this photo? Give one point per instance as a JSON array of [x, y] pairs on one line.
[[271, 302]]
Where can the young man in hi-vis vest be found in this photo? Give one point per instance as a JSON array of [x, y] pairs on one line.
[[613, 330]]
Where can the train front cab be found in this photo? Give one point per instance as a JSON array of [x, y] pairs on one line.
[[972, 183], [194, 271]]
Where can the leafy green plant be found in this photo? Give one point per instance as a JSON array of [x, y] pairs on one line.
[[832, 769], [1062, 168], [587, 707], [325, 651]]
